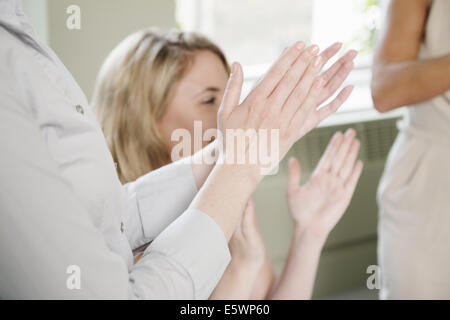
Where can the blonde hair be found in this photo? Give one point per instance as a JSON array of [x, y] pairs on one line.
[[134, 86]]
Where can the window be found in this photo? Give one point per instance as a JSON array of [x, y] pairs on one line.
[[254, 32]]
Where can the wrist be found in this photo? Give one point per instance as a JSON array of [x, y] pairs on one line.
[[309, 237], [202, 162], [224, 195], [245, 173]]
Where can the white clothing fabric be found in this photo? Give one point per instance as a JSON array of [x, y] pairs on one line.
[[62, 207], [413, 194]]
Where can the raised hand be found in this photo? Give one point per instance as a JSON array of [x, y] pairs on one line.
[[317, 206], [286, 101], [288, 96], [332, 79], [334, 76]]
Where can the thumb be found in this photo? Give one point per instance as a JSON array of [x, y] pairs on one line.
[[250, 223], [233, 90], [249, 213], [294, 174]]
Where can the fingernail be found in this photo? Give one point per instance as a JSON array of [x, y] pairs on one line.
[[353, 54], [349, 88], [300, 45], [349, 132], [233, 68], [337, 136], [314, 49]]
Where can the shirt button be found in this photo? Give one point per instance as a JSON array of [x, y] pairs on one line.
[[79, 109], [122, 227]]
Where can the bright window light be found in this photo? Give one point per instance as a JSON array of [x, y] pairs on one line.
[[254, 32]]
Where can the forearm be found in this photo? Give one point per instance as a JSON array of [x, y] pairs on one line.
[[396, 84], [298, 276], [236, 283], [203, 162], [264, 281], [225, 193]]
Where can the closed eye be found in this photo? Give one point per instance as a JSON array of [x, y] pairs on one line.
[[210, 101]]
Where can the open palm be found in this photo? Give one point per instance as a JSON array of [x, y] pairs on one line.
[[319, 204]]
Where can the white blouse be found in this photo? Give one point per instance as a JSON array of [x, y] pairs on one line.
[[63, 207]]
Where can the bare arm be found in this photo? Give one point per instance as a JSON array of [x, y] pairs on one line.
[[315, 208], [399, 78], [299, 273], [201, 169], [247, 252], [264, 280], [250, 273], [287, 100]]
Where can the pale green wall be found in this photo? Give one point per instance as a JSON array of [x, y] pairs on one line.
[[37, 13], [103, 24]]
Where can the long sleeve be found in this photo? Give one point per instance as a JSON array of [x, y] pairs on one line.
[[44, 230], [61, 204], [156, 199]]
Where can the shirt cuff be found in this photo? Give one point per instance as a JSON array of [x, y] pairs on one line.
[[197, 243], [156, 199]]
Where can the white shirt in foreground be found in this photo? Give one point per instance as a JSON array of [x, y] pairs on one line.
[[62, 205]]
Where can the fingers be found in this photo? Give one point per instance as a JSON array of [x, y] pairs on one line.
[[330, 51], [290, 79], [333, 106], [278, 70], [338, 78], [342, 151], [294, 175], [352, 181], [350, 160], [233, 90], [304, 85], [249, 213], [297, 113], [293, 75], [337, 74], [346, 58], [330, 152]]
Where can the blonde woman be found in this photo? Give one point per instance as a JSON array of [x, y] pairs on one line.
[[155, 82]]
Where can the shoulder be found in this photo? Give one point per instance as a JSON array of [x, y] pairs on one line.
[[19, 70]]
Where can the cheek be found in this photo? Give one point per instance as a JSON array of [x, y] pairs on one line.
[[207, 115], [171, 120], [210, 119], [184, 117], [179, 117]]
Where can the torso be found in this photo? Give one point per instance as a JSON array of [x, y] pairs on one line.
[[432, 118]]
